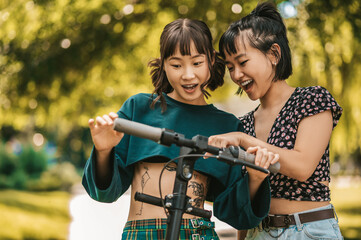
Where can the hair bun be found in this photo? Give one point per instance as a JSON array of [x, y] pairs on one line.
[[253, 13], [267, 10]]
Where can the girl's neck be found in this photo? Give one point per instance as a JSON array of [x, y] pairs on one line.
[[277, 95], [197, 102]]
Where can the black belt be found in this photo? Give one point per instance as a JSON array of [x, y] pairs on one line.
[[284, 221]]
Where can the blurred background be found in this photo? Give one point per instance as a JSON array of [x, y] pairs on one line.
[[63, 62]]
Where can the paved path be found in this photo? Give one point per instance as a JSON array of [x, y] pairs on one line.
[[93, 220]]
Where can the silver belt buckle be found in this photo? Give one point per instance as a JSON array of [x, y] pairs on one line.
[[196, 236], [195, 224]]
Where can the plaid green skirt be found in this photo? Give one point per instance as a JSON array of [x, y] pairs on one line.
[[192, 229]]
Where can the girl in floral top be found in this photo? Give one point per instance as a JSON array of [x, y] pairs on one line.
[[296, 123], [188, 66]]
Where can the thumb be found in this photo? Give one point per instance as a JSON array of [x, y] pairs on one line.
[[207, 155], [252, 149]]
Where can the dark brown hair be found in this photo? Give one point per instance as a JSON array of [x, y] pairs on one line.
[[262, 28], [181, 33]]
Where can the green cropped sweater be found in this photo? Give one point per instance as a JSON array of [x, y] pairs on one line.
[[228, 187]]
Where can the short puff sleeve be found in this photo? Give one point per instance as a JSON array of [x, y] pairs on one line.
[[314, 100]]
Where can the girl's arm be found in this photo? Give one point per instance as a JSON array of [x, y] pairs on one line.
[[246, 200], [241, 234], [263, 159], [104, 139], [313, 135]]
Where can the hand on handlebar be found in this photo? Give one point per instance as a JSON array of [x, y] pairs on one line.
[[264, 159], [102, 132]]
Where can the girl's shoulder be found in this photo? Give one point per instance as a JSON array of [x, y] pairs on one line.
[[309, 101], [136, 103], [312, 92], [314, 95], [140, 99]]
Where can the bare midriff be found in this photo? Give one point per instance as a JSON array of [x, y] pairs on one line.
[[146, 180], [284, 206]]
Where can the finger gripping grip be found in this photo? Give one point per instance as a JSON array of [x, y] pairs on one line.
[[274, 168], [243, 155]]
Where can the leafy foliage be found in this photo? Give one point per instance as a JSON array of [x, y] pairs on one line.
[[62, 61], [61, 176], [33, 162], [326, 44], [29, 170]]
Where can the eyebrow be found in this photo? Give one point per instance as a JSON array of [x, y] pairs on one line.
[[177, 58], [237, 57]]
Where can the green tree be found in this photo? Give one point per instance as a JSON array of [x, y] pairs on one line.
[[326, 43], [62, 61]]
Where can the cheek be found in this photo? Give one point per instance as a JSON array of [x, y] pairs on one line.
[[206, 74], [170, 74]]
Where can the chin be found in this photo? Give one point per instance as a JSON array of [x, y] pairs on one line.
[[252, 97], [196, 100]]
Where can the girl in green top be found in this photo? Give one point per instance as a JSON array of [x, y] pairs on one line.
[[188, 65]]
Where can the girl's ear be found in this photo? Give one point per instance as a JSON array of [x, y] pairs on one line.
[[274, 53]]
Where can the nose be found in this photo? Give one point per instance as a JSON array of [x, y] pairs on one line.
[[188, 73], [237, 74]]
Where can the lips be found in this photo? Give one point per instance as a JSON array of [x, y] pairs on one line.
[[246, 84], [189, 87]]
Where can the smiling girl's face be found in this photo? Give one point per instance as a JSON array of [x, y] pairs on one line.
[[251, 69], [186, 74]]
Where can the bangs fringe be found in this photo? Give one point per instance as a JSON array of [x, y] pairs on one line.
[[228, 43], [231, 39], [183, 38]]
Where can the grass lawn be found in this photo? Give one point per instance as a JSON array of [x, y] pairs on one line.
[[347, 201], [34, 215], [45, 215]]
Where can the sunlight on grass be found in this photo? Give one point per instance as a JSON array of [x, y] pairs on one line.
[[45, 215], [347, 202], [34, 215]]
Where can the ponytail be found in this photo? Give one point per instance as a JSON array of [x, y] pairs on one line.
[[160, 82], [217, 72]]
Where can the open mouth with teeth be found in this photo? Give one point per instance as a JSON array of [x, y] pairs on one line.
[[246, 84], [189, 87]]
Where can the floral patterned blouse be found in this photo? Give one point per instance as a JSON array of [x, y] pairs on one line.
[[303, 102]]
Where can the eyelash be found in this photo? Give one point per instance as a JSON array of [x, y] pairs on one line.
[[178, 65], [241, 64]]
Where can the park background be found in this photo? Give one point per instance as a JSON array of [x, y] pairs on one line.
[[63, 62]]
